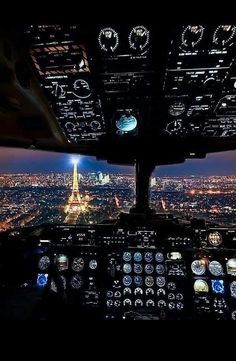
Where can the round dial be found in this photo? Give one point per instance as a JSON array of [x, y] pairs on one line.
[[77, 264], [139, 38], [127, 268], [149, 281], [215, 238], [192, 35], [233, 289], [44, 263], [198, 267], [93, 264], [176, 109], [127, 281], [62, 262], [127, 256], [215, 268], [138, 257], [201, 286], [174, 127], [138, 280], [81, 88], [160, 281], [108, 39], [138, 268], [160, 269], [149, 269], [224, 35], [138, 291], [126, 123], [159, 257], [76, 282], [148, 257]]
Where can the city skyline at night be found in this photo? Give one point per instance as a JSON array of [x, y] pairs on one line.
[[21, 160]]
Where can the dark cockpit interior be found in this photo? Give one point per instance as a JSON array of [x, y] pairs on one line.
[[130, 94]]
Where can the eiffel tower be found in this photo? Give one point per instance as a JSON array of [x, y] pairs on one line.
[[75, 205]]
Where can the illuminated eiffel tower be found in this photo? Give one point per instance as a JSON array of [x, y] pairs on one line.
[[75, 205]]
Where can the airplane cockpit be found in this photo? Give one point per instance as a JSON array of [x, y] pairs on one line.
[[134, 95]]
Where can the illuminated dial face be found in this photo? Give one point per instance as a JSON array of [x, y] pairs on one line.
[[139, 38], [198, 267], [233, 289], [176, 109], [215, 239], [201, 286], [62, 262], [224, 35], [215, 268], [218, 286], [81, 89], [78, 264], [127, 268], [174, 127], [108, 39], [160, 269], [44, 263], [127, 256], [148, 257], [126, 123], [93, 264], [159, 257], [192, 35], [76, 282], [138, 257], [149, 269]]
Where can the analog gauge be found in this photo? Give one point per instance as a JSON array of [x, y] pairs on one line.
[[215, 268], [138, 268], [127, 302], [159, 257], [62, 262], [138, 291], [179, 297], [44, 263], [81, 88], [179, 306], [148, 257], [201, 286], [176, 109], [138, 281], [160, 281], [215, 239], [93, 264], [233, 289], [161, 304], [139, 38], [127, 268], [150, 303], [126, 123], [108, 40], [218, 286], [42, 280], [231, 267], [171, 305], [78, 264], [127, 291], [138, 257], [160, 269], [127, 281], [224, 35], [149, 292], [149, 281], [198, 267], [95, 125], [149, 269], [171, 286], [127, 256], [191, 36], [161, 292], [76, 282], [138, 303], [174, 127], [117, 294]]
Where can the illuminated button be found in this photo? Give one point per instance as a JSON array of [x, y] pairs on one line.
[[117, 294], [138, 268], [160, 269], [138, 257], [127, 291], [149, 292], [127, 256], [160, 281], [109, 294], [179, 296], [171, 305], [127, 268], [138, 291], [138, 303], [149, 269], [138, 280], [42, 280], [179, 306], [171, 296], [150, 303], [127, 302], [127, 280], [159, 257], [149, 281], [148, 257]]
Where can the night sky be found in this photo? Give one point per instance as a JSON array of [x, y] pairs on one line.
[[19, 160]]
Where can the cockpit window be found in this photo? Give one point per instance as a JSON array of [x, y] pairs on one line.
[[198, 189], [41, 187]]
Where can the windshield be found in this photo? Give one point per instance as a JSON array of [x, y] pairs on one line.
[[41, 187]]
